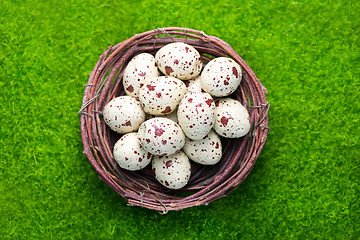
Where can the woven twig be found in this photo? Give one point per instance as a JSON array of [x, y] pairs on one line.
[[207, 183]]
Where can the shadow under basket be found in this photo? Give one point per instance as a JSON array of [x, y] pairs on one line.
[[207, 183]]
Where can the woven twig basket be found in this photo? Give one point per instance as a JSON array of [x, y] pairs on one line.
[[207, 183]]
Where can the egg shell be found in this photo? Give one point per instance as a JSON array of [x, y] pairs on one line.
[[138, 71], [129, 154], [232, 118], [161, 136], [123, 114], [179, 60], [221, 76], [193, 85], [172, 171], [196, 114], [161, 95], [206, 151]]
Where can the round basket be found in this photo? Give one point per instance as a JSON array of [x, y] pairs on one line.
[[207, 183]]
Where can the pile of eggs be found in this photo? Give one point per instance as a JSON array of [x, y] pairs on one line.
[[175, 111]]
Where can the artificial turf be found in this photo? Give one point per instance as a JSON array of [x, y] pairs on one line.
[[305, 184]]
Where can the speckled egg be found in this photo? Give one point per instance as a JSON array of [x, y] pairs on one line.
[[206, 151], [193, 85], [123, 114], [161, 95], [161, 136], [172, 171], [196, 114], [128, 153], [141, 68], [179, 60], [232, 118], [221, 76]]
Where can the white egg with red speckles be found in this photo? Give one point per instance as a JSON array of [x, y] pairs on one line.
[[193, 85], [129, 154], [161, 136], [196, 114], [179, 60], [221, 76], [206, 151], [161, 95], [123, 114], [138, 71], [172, 171], [232, 118]]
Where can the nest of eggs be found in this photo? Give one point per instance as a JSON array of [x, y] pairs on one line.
[[207, 183]]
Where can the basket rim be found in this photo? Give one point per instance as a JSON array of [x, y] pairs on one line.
[[89, 117]]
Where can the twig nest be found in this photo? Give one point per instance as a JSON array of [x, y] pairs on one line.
[[161, 95], [128, 153], [206, 151], [172, 171], [123, 114], [232, 118], [196, 114], [141, 68], [179, 60], [221, 76], [161, 136], [112, 76]]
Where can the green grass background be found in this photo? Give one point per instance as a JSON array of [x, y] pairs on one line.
[[305, 184]]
